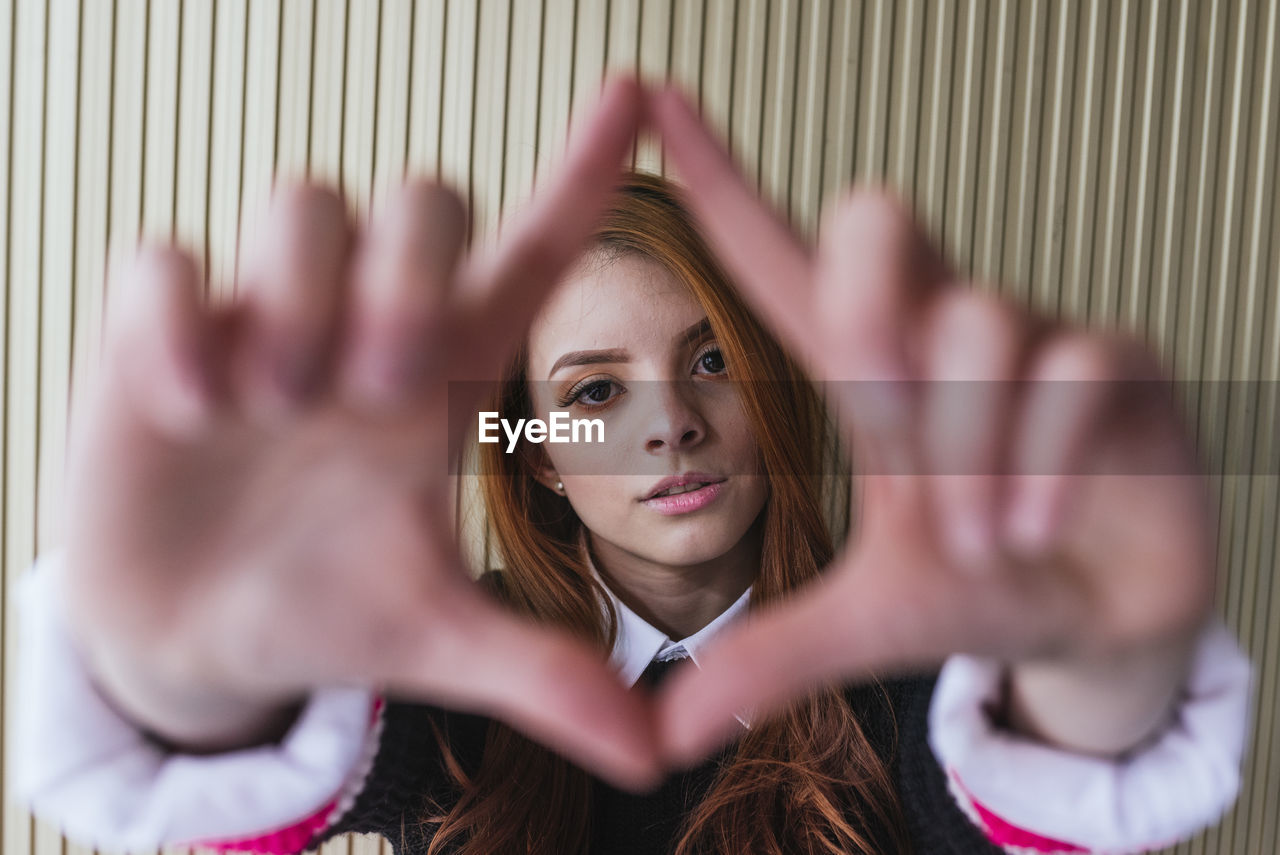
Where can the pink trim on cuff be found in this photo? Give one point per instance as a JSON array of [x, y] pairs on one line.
[[1008, 835], [291, 840], [286, 841]]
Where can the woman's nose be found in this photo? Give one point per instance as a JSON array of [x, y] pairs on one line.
[[676, 424]]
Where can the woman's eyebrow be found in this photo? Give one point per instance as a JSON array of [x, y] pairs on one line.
[[588, 357], [695, 332], [596, 357]]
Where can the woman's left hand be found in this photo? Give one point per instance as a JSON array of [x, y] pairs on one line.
[[1028, 489]]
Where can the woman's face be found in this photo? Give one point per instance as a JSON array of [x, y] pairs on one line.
[[626, 342]]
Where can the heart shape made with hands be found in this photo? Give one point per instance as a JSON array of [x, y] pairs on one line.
[[1040, 563]]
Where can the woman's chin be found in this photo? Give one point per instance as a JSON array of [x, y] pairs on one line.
[[690, 544]]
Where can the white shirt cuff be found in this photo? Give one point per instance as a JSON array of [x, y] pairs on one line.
[[77, 763], [1184, 780]]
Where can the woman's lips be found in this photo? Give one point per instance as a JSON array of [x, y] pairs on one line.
[[683, 503]]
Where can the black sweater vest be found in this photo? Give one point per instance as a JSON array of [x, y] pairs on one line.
[[408, 768]]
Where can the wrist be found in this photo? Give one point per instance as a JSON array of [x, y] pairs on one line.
[[185, 715], [1103, 705], [170, 698]]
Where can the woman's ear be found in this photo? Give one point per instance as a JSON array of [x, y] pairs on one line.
[[543, 472], [548, 479]]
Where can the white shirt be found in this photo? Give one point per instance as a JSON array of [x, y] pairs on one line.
[[639, 642], [75, 762]]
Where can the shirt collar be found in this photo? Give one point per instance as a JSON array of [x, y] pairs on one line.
[[639, 642]]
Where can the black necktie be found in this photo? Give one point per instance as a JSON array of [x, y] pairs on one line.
[[658, 671]]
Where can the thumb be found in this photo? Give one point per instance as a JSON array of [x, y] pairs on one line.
[[772, 657], [541, 681], [826, 632]]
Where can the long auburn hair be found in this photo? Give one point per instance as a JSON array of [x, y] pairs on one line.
[[795, 779]]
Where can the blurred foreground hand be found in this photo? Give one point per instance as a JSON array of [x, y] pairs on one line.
[[259, 496]]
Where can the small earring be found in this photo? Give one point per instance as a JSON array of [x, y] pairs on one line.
[[559, 486]]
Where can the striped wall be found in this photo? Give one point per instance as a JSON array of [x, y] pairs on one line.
[[1114, 162]]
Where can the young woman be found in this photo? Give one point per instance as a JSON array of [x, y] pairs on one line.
[[262, 515]]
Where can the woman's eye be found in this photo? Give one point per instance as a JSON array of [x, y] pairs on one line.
[[712, 361], [594, 394]]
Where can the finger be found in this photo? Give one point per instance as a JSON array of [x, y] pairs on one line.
[[877, 270], [829, 632], [1071, 389], [293, 290], [504, 289], [161, 342], [972, 349], [767, 261], [543, 682], [400, 278]]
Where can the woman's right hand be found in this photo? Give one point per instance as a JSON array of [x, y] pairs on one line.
[[259, 501]]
